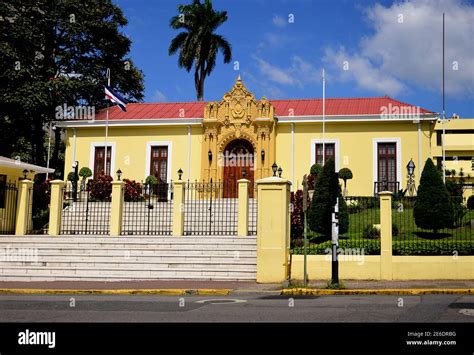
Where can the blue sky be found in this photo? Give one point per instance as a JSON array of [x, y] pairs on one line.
[[368, 48]]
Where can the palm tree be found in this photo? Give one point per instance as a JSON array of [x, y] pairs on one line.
[[198, 45]]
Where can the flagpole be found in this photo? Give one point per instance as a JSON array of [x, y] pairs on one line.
[[106, 126], [444, 119], [324, 117]]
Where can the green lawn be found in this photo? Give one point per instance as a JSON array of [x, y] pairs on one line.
[[405, 223]]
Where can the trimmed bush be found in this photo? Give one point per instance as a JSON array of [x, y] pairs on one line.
[[72, 177], [345, 174], [372, 247], [371, 232], [85, 172], [151, 180], [324, 198], [433, 207]]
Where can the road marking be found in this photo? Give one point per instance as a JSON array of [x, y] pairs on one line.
[[467, 312], [222, 301]]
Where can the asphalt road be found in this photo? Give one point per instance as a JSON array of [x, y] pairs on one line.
[[238, 307]]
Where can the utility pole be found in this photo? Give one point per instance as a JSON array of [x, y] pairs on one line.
[[444, 119], [305, 230], [335, 244]]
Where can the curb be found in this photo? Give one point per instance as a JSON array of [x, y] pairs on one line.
[[410, 291], [166, 291]]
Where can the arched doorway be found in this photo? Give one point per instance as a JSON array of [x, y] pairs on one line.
[[238, 160]]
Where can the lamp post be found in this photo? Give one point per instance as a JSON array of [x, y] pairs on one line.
[[280, 171], [25, 174], [51, 127], [274, 169], [180, 173], [411, 178], [119, 174]]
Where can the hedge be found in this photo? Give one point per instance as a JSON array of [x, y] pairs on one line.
[[372, 247]]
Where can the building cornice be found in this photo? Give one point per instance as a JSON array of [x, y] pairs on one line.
[[131, 123]]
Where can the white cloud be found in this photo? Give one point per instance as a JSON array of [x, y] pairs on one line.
[[300, 72], [158, 96], [406, 48], [279, 21]]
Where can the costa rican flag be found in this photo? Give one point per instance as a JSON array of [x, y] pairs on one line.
[[115, 98]]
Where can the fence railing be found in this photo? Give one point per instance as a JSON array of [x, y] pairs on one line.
[[253, 209], [8, 203], [410, 239], [148, 210], [359, 229], [90, 213], [207, 210]]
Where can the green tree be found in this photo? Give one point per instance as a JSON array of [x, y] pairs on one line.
[[197, 45], [326, 191], [345, 174], [55, 53], [433, 207]]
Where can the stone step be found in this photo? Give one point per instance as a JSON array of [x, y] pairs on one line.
[[143, 255], [130, 264], [128, 278], [130, 239], [119, 272]]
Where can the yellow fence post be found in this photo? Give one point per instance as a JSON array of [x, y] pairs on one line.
[[55, 207], [386, 235], [178, 208], [273, 229], [116, 212], [243, 208], [24, 206]]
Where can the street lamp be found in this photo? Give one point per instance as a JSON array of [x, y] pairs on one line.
[[209, 155], [410, 175], [262, 153], [119, 174], [25, 174], [180, 173], [280, 171], [274, 169]]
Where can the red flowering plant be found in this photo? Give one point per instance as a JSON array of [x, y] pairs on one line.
[[100, 188], [133, 190], [297, 217]]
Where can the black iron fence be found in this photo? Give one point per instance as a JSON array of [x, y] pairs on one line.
[[359, 229], [210, 208], [148, 209], [379, 186], [88, 212], [253, 209], [412, 236], [8, 202]]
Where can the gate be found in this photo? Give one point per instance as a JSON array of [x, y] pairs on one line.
[[149, 210], [207, 212], [8, 201], [87, 211]]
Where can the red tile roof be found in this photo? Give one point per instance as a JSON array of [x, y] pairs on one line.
[[299, 107]]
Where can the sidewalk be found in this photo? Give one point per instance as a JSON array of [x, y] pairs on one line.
[[184, 287]]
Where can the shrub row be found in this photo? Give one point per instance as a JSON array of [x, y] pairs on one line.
[[414, 247]]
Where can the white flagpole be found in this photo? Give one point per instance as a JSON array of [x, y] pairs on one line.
[[324, 117], [444, 119], [106, 126]]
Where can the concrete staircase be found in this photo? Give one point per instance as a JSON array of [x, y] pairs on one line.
[[43, 258]]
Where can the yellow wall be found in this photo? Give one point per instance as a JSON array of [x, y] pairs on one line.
[[355, 149], [403, 268], [131, 149]]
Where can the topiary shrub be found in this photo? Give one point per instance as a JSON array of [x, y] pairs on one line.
[[433, 207], [470, 202], [72, 177], [100, 188], [371, 232], [313, 174], [151, 180], [345, 174], [326, 190], [85, 172]]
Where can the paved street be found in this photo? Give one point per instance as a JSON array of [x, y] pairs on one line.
[[253, 307]]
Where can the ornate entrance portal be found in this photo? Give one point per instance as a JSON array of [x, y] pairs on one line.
[[238, 124], [238, 162]]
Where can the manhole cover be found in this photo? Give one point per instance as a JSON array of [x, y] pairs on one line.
[[221, 301], [467, 312]]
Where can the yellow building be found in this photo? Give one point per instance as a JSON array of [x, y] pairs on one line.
[[241, 135]]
